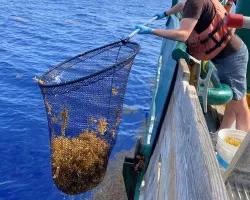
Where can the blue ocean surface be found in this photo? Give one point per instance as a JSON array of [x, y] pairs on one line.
[[37, 35]]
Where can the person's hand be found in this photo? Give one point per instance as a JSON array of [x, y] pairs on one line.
[[160, 15], [143, 29]]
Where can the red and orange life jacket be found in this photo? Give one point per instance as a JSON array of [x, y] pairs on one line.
[[210, 42]]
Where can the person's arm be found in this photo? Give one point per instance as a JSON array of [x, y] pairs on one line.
[[182, 34], [192, 12], [176, 8]]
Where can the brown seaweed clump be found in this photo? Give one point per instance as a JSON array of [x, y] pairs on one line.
[[79, 164], [233, 141]]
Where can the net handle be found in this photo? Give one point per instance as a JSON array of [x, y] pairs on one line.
[[137, 30]]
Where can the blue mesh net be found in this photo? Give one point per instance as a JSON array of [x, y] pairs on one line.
[[83, 97]]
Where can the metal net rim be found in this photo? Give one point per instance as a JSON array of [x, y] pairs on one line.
[[136, 50]]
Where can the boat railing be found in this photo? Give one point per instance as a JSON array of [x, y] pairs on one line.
[[183, 164]]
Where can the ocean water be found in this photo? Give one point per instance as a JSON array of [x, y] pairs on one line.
[[35, 36]]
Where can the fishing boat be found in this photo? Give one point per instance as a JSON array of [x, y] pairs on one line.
[[176, 158]]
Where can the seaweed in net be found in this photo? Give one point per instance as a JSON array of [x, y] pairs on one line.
[[83, 98]]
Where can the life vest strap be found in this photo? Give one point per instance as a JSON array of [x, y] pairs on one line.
[[218, 44], [211, 35]]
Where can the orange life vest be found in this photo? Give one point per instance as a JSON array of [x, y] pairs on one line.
[[210, 42]]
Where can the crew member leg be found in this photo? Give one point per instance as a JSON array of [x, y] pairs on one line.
[[237, 110]]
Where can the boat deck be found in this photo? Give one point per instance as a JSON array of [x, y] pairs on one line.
[[237, 177]]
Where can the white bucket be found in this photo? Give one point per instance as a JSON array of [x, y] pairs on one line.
[[226, 151]]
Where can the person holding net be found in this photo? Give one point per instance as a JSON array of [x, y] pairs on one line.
[[208, 38]]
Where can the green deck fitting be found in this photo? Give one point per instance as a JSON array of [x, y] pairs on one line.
[[131, 176], [180, 52]]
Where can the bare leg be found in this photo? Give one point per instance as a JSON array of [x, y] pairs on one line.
[[237, 110], [229, 116], [242, 115]]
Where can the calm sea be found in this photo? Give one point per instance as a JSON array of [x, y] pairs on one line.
[[35, 36]]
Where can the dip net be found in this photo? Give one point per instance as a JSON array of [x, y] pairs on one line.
[[83, 97]]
